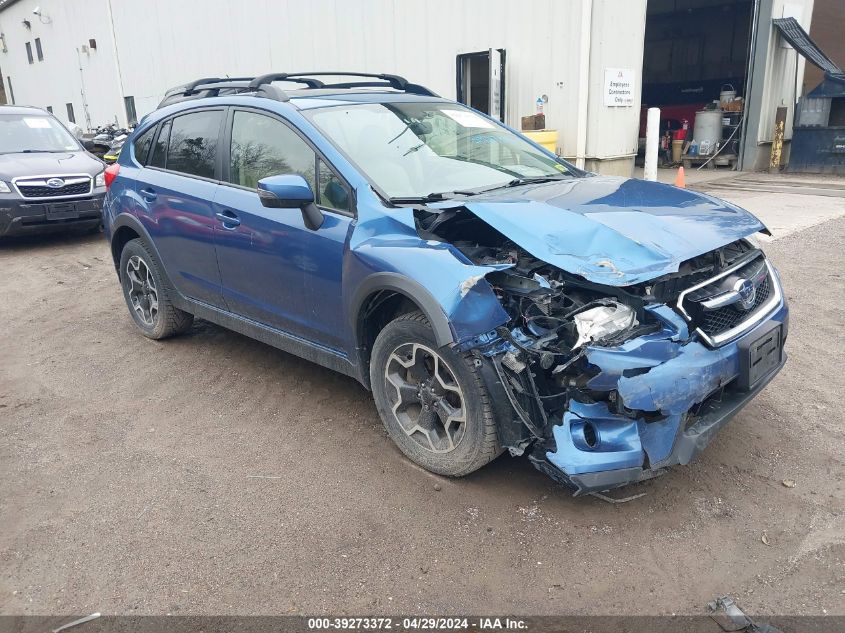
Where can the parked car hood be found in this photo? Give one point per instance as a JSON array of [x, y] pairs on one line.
[[613, 231], [48, 164]]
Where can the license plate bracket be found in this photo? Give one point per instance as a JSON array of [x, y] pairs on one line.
[[62, 211], [760, 357]]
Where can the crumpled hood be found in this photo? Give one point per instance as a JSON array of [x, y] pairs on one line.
[[48, 164], [612, 231]]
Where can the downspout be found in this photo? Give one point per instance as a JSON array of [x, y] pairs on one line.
[[583, 83], [116, 57], [85, 110]]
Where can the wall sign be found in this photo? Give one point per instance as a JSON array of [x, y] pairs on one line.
[[618, 87]]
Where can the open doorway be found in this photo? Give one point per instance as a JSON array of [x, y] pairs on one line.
[[696, 52], [481, 81]]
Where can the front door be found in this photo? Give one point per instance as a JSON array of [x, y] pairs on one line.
[[274, 269], [176, 189]]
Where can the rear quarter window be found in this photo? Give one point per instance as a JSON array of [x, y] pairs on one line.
[[160, 150], [142, 145]]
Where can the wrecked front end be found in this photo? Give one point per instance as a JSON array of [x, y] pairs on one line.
[[605, 385]]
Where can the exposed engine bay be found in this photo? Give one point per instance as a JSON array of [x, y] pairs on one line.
[[557, 362]]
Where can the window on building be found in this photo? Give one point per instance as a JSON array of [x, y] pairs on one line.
[[38, 50], [70, 115], [11, 90], [142, 145], [193, 143], [129, 105], [29, 52], [160, 149], [263, 146]]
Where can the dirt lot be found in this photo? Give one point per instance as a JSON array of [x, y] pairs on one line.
[[214, 474]]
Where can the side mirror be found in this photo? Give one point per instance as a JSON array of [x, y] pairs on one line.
[[290, 191]]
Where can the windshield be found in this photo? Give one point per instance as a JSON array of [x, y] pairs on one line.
[[34, 133], [414, 150]]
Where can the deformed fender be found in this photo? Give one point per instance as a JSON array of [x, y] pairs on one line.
[[415, 291], [386, 253]]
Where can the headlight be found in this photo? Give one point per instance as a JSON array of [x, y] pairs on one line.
[[602, 322], [100, 179], [4, 188]]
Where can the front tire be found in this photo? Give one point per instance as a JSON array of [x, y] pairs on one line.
[[431, 399], [147, 294]]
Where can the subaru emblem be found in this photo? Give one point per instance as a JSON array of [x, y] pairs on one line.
[[747, 293], [55, 183]]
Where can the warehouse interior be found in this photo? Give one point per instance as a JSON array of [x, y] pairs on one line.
[[695, 51]]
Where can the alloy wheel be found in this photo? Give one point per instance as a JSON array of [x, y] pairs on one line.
[[428, 403], [142, 290]]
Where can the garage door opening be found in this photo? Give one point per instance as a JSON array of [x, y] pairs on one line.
[[696, 52], [481, 81]]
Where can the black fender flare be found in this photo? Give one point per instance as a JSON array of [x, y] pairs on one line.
[[414, 291], [130, 221]]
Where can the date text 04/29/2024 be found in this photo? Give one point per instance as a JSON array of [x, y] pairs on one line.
[[416, 623]]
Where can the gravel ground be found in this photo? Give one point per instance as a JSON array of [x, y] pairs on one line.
[[211, 474]]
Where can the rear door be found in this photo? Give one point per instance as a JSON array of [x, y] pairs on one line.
[[176, 189], [273, 268]]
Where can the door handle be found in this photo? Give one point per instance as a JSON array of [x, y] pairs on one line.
[[148, 194], [229, 219]]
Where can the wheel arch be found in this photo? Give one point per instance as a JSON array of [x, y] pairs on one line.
[[125, 228], [383, 297]]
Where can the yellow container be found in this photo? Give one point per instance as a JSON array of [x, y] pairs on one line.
[[546, 138]]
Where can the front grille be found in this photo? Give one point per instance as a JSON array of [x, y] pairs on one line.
[[37, 187], [715, 306], [727, 318]]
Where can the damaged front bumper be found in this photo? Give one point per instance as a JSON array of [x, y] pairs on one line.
[[673, 394]]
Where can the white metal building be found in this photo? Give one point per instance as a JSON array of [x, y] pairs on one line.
[[97, 61]]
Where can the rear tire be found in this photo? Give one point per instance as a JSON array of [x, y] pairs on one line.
[[147, 294], [431, 399]]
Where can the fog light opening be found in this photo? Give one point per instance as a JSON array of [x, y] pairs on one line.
[[591, 436]]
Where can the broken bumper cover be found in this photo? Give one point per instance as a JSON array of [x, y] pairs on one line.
[[686, 390]]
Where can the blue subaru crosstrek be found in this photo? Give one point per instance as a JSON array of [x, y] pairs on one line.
[[491, 295]]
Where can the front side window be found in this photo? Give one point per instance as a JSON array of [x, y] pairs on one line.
[[411, 150], [193, 143], [331, 192], [33, 133], [263, 146]]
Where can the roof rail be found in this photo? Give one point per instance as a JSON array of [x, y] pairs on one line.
[[263, 85], [193, 85], [396, 82]]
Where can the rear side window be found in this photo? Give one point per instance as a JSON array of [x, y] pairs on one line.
[[160, 150], [142, 145], [263, 146], [193, 143]]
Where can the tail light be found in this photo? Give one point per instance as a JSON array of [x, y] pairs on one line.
[[111, 173]]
